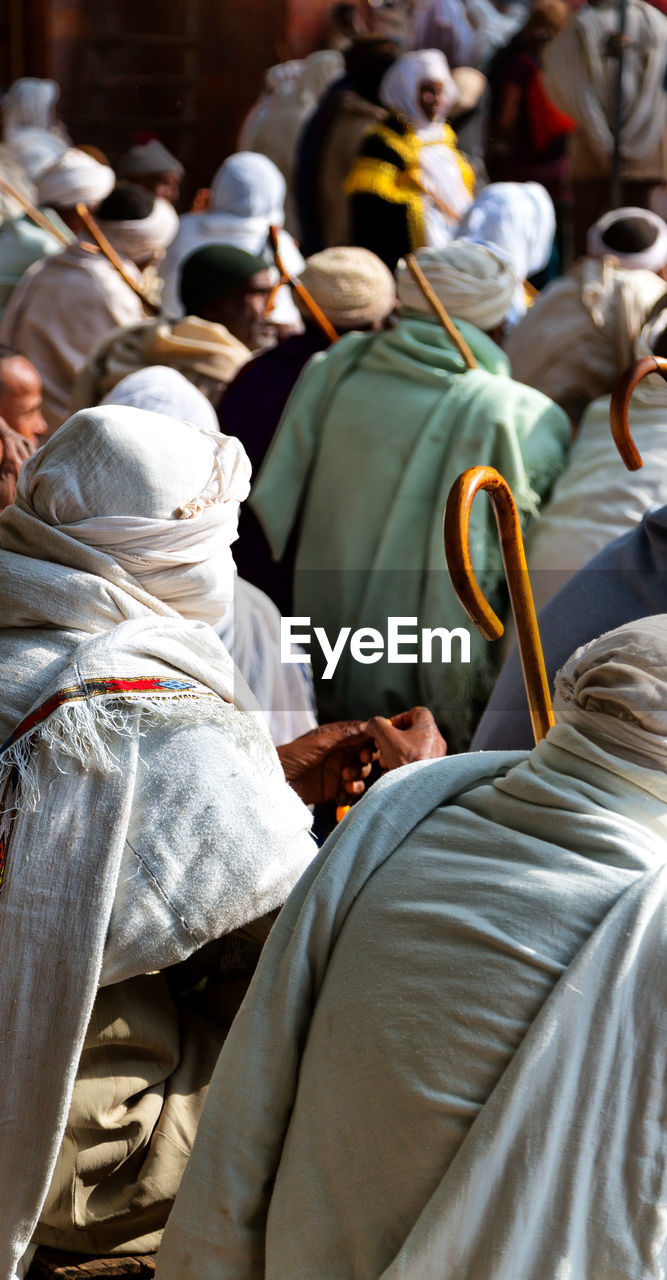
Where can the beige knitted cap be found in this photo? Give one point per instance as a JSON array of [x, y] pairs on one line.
[[352, 286]]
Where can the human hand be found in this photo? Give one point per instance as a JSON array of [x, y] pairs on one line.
[[412, 735], [325, 764], [14, 450]]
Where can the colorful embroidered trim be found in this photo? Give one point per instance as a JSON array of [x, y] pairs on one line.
[[98, 688]]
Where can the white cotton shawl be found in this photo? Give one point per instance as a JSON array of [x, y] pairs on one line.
[[465, 989], [471, 281], [71, 617]]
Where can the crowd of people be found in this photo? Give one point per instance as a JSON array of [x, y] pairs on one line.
[[317, 965]]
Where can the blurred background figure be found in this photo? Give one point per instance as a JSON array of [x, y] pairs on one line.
[[148, 164]]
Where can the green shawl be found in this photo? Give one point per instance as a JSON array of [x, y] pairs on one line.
[[374, 435]]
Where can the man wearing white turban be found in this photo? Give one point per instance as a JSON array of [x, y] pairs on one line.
[[372, 438], [66, 304], [59, 177], [451, 1062], [144, 813]]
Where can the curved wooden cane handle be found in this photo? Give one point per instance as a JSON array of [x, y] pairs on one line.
[[620, 403], [462, 574]]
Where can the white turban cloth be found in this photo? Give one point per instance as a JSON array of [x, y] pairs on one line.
[[399, 88], [471, 281], [159, 496], [142, 238], [163, 390], [614, 690], [75, 177], [651, 258], [517, 221]]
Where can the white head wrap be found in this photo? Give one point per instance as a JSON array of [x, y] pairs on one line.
[[249, 185], [140, 238], [75, 176], [29, 103], [653, 258], [614, 690], [149, 158], [471, 281], [159, 496], [163, 390], [399, 88], [517, 221]]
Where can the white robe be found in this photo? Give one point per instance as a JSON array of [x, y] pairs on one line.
[[450, 1060], [62, 308]]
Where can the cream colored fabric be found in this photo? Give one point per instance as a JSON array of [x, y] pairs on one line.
[[207, 354], [577, 338], [471, 281], [582, 82], [463, 999], [142, 238], [152, 818], [353, 287], [595, 499], [58, 313], [612, 691], [75, 176], [141, 1116]]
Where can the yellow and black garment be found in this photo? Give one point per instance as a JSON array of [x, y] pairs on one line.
[[385, 189]]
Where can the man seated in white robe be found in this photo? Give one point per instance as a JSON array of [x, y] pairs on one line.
[[576, 339], [451, 1060], [66, 303]]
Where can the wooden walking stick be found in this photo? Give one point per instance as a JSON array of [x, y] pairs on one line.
[[34, 214], [299, 289], [440, 311], [110, 254], [620, 403], [462, 574]]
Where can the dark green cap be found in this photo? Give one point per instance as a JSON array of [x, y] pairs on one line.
[[210, 272]]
